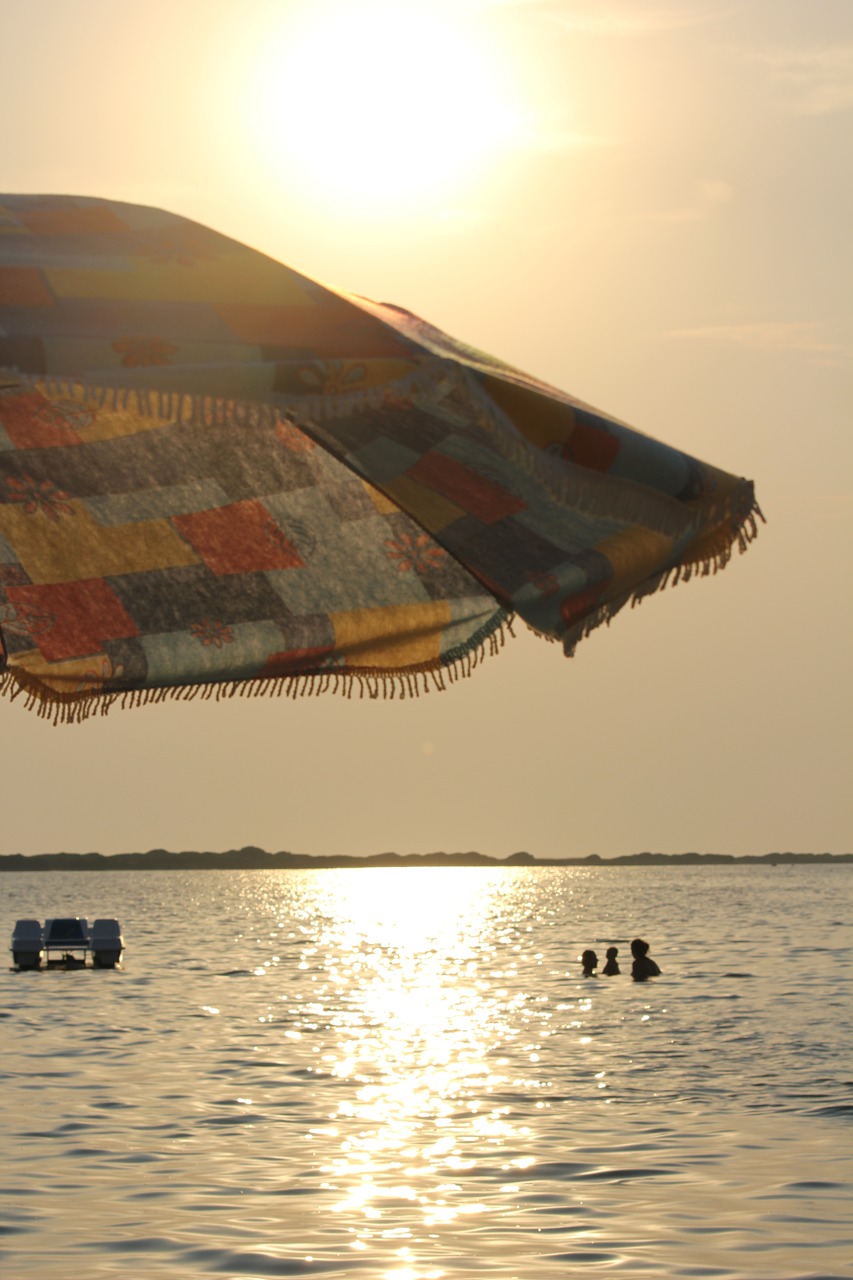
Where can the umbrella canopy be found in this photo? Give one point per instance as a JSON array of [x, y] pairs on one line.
[[216, 474]]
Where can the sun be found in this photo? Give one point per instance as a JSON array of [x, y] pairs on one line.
[[380, 104]]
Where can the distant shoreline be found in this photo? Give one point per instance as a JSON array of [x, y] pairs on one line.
[[254, 859]]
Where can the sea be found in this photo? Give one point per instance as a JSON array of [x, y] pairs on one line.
[[401, 1074]]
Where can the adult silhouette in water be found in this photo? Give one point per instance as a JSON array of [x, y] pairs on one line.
[[611, 964], [589, 960], [644, 966]]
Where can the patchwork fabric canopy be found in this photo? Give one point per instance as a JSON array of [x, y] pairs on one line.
[[217, 475]]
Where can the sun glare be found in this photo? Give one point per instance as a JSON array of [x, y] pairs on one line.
[[379, 105]]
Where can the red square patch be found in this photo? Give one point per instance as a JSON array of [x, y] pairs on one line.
[[240, 538], [72, 220], [31, 422], [474, 494], [24, 287], [293, 661], [74, 618]]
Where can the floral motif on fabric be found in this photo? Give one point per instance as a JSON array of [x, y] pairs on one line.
[[417, 552], [38, 495], [141, 352], [25, 620], [212, 632], [92, 681], [332, 377]]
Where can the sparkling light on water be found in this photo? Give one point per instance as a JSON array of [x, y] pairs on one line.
[[402, 1072]]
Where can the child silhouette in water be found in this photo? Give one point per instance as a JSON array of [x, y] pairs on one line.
[[589, 960], [611, 966], [643, 966]]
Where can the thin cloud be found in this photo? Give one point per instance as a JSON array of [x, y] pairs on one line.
[[705, 199], [801, 336], [702, 202], [816, 81], [596, 18], [707, 196]]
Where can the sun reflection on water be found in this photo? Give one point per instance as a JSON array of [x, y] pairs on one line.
[[404, 1074], [417, 1015]]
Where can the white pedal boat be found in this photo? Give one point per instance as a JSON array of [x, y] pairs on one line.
[[67, 941]]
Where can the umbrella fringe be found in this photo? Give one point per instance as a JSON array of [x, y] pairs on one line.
[[597, 494], [594, 493], [200, 409], [715, 557], [371, 683], [734, 515]]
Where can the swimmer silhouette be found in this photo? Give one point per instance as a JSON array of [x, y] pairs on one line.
[[611, 965], [643, 966], [589, 960]]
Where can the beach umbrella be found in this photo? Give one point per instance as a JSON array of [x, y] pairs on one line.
[[219, 476]]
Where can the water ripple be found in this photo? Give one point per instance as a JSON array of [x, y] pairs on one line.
[[402, 1073]]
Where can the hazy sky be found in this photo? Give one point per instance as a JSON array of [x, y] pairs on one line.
[[648, 204]]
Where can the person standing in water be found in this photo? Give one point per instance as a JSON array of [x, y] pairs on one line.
[[644, 966], [611, 965], [589, 960]]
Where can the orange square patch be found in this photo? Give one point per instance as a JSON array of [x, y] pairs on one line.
[[24, 287], [75, 618], [240, 538], [32, 422]]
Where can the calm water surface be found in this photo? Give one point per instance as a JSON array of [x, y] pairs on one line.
[[401, 1074]]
